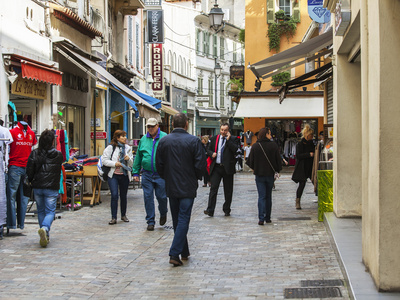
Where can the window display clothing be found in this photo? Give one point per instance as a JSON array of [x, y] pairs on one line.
[[248, 134], [20, 149], [5, 140]]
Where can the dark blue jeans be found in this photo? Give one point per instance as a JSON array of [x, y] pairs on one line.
[[181, 210], [46, 202], [264, 188], [154, 184], [15, 194], [121, 181]]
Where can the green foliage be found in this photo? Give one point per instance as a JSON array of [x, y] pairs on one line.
[[280, 78], [285, 25], [241, 36], [235, 85]]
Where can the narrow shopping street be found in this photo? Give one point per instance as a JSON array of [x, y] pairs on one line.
[[231, 257]]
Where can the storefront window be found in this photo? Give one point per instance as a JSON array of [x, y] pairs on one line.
[[71, 118]]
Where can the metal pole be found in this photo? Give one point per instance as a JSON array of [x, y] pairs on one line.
[[94, 122]]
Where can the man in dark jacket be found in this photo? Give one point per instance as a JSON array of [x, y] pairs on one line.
[[181, 161], [222, 149]]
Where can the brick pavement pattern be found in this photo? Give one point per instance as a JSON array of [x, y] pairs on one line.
[[231, 257]]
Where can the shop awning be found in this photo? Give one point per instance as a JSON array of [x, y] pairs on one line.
[[321, 73], [261, 107], [205, 112], [264, 68], [145, 109], [37, 72], [151, 100], [169, 110]]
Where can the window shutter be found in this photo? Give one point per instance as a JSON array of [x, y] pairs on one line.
[[198, 48], [296, 10], [270, 11], [215, 46]]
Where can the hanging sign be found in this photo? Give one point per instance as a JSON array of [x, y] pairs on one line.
[[317, 12], [157, 70], [29, 88], [155, 26]]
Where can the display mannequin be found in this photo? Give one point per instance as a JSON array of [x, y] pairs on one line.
[[248, 134], [20, 149]]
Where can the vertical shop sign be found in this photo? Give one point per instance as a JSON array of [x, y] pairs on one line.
[[155, 26], [317, 12], [157, 70]]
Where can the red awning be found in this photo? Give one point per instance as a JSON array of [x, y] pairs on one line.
[[37, 72]]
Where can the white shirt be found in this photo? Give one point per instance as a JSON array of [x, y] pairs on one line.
[[221, 143]]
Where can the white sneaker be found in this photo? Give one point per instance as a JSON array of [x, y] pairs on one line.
[[43, 237]]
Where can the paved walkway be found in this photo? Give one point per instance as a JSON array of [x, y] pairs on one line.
[[232, 257]]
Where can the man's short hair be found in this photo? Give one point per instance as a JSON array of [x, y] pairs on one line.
[[225, 124], [179, 120]]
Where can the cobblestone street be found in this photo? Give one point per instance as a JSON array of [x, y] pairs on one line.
[[231, 257]]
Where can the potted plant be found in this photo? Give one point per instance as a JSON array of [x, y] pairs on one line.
[[236, 85], [280, 15], [279, 79]]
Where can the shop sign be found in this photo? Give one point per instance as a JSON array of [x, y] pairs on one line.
[[317, 12], [157, 70], [204, 98], [342, 18], [100, 135], [152, 2], [155, 26], [236, 72], [191, 105], [29, 88], [97, 122]]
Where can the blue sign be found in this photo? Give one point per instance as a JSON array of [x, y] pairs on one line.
[[317, 12]]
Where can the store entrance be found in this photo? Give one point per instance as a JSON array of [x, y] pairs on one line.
[[287, 133]]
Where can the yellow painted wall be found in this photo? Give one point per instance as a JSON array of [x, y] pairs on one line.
[[256, 46]]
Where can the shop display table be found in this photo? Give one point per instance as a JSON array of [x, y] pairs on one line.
[[94, 197], [72, 175]]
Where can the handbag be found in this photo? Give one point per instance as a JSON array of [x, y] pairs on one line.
[[26, 187], [276, 174], [102, 170]]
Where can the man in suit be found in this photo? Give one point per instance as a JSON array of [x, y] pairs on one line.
[[222, 149]]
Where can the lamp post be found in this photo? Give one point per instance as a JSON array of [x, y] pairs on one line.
[[217, 72], [216, 16]]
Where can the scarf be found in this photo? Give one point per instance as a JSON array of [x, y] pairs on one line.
[[125, 168]]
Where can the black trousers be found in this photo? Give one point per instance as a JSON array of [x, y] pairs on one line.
[[215, 178]]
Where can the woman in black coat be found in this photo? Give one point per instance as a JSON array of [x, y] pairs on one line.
[[304, 161], [264, 170], [44, 171]]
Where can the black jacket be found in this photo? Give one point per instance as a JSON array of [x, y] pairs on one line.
[[228, 158], [304, 162], [44, 169], [181, 162], [258, 162]]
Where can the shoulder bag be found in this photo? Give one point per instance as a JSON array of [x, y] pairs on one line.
[[276, 174]]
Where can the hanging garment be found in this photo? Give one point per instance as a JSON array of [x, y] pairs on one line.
[[3, 198], [6, 135]]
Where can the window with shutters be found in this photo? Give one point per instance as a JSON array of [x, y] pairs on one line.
[[221, 48], [130, 41], [221, 94], [211, 91], [198, 41], [206, 43], [200, 88], [286, 6], [138, 43], [290, 7], [215, 46]]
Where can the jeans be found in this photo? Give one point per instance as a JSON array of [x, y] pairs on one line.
[[46, 203], [15, 194], [264, 188], [153, 183], [181, 210], [123, 182]]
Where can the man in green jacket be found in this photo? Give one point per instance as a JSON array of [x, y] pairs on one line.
[[145, 160]]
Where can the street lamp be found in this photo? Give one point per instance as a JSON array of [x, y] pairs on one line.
[[216, 16], [217, 72]]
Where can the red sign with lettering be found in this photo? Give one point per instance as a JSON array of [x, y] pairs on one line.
[[100, 135], [157, 68]]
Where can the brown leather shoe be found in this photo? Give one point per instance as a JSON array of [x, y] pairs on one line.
[[175, 261], [112, 222], [185, 257], [125, 219], [150, 227]]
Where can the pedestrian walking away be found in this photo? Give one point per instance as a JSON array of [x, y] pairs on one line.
[[152, 183], [222, 149], [44, 171], [304, 161], [118, 156], [264, 159], [181, 161], [206, 177]]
